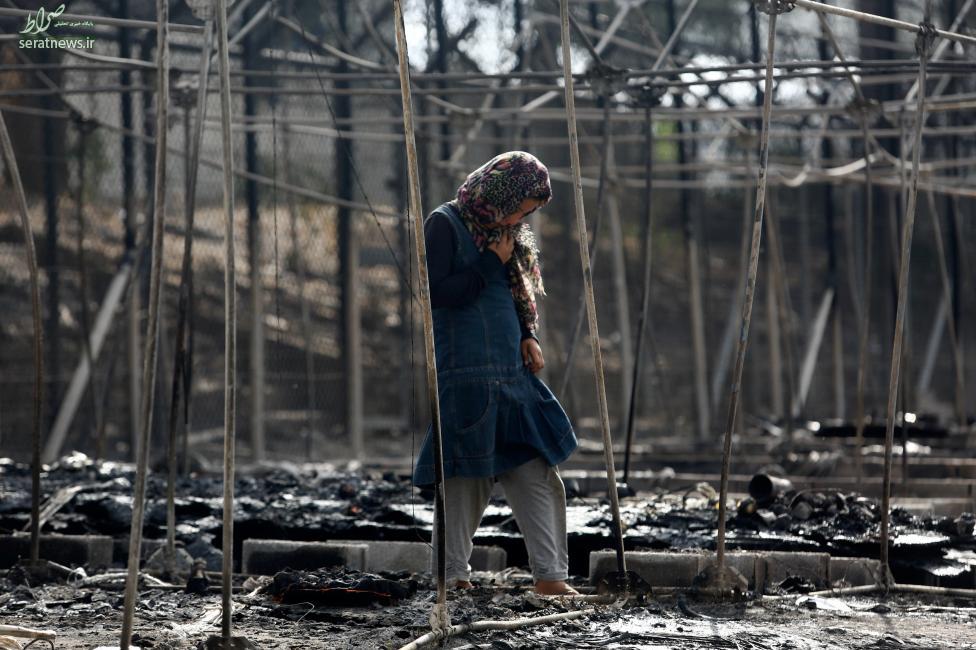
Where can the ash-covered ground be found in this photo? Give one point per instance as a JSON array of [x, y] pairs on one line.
[[319, 502], [334, 609], [86, 617]]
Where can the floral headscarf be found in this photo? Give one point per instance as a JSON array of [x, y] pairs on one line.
[[494, 191]]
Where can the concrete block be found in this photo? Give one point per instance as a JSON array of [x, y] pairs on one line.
[[415, 557], [854, 571], [780, 565], [398, 556], [489, 558], [751, 565], [89, 551], [659, 569], [268, 556]]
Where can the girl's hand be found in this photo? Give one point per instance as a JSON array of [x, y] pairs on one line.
[[503, 247], [532, 355]]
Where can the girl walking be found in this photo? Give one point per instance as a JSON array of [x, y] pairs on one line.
[[499, 421]]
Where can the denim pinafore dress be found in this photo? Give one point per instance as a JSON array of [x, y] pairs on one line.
[[495, 414]]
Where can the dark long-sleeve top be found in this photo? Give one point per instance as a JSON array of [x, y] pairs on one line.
[[456, 287]]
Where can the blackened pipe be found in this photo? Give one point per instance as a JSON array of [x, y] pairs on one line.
[[764, 488]]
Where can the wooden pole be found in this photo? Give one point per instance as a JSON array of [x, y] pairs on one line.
[[152, 325], [183, 362], [749, 295], [230, 322], [439, 617], [922, 46], [588, 283]]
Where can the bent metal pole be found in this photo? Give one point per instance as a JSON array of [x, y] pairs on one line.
[[588, 285], [152, 325], [772, 7], [35, 288], [420, 250]]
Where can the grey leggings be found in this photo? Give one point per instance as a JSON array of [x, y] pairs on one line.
[[536, 494]]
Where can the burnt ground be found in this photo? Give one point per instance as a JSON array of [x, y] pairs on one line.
[[316, 503], [85, 617]]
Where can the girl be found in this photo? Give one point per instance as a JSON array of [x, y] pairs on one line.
[[499, 421]]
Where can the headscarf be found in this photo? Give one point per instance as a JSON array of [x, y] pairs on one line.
[[494, 191]]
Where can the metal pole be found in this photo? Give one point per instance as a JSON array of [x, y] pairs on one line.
[[622, 303], [84, 129], [832, 281], [691, 231], [749, 293], [439, 617], [864, 333], [52, 260], [192, 135], [646, 293], [230, 323], [721, 369], [349, 248], [922, 46], [35, 287], [298, 257], [256, 367], [775, 342], [784, 311], [947, 287], [129, 218], [152, 325], [880, 20], [588, 284]]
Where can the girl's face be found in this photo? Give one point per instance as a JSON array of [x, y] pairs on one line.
[[527, 207]]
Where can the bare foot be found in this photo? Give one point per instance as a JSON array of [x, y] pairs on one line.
[[553, 588], [463, 584]]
